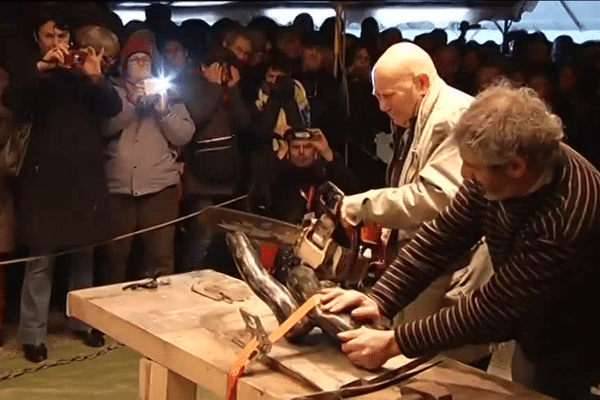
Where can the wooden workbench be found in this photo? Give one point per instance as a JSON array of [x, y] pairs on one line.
[[187, 340]]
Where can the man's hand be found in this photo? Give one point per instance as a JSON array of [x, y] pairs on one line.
[[364, 308], [137, 92], [214, 73], [92, 65], [321, 144], [53, 57], [235, 76], [282, 148], [368, 348], [160, 105], [348, 218]]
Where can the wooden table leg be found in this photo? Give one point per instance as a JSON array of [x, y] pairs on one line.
[[159, 383]]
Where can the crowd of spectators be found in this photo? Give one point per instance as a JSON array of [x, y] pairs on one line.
[[108, 156]]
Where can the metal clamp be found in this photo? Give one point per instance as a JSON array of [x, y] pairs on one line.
[[255, 327]]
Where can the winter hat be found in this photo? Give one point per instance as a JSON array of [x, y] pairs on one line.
[[142, 41]]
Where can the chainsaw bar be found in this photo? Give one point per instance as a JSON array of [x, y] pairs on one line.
[[252, 225]]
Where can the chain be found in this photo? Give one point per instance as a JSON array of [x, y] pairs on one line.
[[63, 361]]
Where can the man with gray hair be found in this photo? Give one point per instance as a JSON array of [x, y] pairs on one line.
[[537, 202]]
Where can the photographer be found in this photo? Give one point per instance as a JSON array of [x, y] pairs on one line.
[[63, 199], [142, 169], [303, 163], [213, 160]]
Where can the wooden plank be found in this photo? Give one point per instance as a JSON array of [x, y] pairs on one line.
[[192, 336], [144, 378], [165, 384]]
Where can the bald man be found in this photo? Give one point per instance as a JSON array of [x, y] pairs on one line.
[[424, 174]]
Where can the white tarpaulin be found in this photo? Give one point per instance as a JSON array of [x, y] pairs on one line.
[[579, 19]]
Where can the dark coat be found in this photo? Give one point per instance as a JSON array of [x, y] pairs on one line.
[[213, 159], [63, 196], [278, 185]]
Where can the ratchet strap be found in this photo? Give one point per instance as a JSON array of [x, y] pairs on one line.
[[252, 348]]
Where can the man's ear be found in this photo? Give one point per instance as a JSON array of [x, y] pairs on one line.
[[517, 167], [423, 83]]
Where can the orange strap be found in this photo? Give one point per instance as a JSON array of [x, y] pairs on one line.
[[237, 369], [309, 197]]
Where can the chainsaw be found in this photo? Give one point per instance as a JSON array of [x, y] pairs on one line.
[[342, 255]]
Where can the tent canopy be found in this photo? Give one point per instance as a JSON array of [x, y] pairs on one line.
[[580, 19]]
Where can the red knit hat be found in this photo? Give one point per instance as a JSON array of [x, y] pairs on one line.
[[141, 41]]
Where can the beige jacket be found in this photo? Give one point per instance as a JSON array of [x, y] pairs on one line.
[[424, 184], [421, 187]]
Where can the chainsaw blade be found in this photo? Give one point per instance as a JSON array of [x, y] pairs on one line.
[[252, 225]]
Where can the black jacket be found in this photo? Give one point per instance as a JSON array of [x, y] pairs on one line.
[[282, 193], [214, 163], [63, 196]]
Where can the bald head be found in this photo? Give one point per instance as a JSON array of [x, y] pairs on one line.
[[403, 59], [402, 77]]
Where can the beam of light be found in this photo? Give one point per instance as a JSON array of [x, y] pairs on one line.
[[160, 85]]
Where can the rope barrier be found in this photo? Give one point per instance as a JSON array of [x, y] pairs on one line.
[[91, 246]]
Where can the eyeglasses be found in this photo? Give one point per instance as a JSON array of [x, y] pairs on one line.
[[140, 60]]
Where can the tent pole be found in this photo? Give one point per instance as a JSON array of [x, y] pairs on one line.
[[572, 15]]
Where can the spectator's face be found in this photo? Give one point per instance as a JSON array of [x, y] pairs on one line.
[[543, 88], [518, 78], [538, 53], [470, 62], [302, 153], [258, 57], [291, 46], [446, 63], [175, 55], [486, 76], [50, 36], [242, 48], [567, 80], [271, 78], [312, 58], [361, 66], [328, 60], [139, 67], [362, 58], [495, 180], [398, 97]]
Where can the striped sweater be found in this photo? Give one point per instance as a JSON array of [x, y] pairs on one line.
[[539, 245]]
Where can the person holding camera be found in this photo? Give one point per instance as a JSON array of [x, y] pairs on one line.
[[63, 199], [214, 164], [302, 164], [142, 168]]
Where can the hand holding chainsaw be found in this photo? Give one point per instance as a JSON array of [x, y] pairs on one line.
[[363, 308]]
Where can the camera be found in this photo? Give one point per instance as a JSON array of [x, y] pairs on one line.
[[225, 58], [75, 58]]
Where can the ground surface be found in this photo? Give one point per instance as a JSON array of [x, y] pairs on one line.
[[111, 376]]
